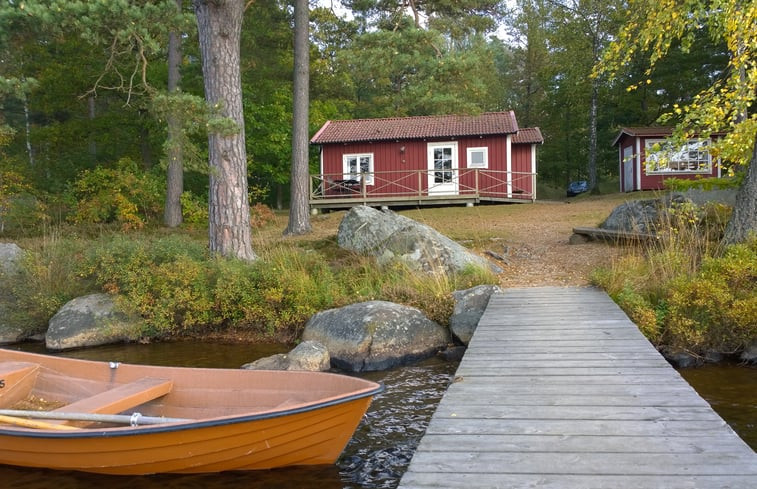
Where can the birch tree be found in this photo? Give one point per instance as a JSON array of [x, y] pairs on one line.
[[651, 28]]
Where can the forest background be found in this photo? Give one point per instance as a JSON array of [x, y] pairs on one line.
[[104, 129], [87, 103]]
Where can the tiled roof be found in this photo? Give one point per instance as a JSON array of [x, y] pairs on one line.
[[396, 128], [644, 131], [528, 135]]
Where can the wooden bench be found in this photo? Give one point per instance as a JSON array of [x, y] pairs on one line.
[[121, 398], [16, 380], [613, 235]]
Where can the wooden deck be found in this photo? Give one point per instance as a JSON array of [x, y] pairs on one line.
[[559, 390]]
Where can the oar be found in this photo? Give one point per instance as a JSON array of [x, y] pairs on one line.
[[30, 423], [135, 419]]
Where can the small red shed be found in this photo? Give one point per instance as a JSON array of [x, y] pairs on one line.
[[647, 157], [427, 159]]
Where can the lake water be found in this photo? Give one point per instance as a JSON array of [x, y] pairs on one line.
[[383, 444]]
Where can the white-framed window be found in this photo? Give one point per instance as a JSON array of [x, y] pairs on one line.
[[478, 157], [357, 165], [663, 156]]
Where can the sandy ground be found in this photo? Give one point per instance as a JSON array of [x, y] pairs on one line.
[[538, 248]]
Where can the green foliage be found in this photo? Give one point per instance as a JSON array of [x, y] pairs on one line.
[[194, 209], [693, 229], [177, 289], [122, 195], [716, 309], [641, 311], [653, 28], [48, 277], [684, 291], [710, 183]]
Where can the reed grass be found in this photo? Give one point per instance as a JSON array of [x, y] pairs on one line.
[[686, 290]]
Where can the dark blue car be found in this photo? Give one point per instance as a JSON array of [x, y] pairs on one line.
[[578, 187]]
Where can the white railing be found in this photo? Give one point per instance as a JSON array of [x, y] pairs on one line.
[[468, 183]]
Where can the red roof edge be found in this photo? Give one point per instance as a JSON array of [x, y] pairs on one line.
[[528, 135], [323, 128]]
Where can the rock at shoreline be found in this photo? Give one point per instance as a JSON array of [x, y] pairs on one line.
[[308, 355], [10, 255], [389, 236], [11, 331], [375, 335], [470, 304], [749, 354], [89, 321]]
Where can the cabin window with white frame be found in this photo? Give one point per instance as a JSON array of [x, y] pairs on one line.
[[357, 166], [478, 157], [663, 156]]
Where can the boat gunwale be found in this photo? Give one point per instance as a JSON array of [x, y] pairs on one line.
[[371, 389], [188, 425]]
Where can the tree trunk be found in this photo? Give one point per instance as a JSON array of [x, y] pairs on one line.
[[744, 219], [219, 26], [175, 175], [299, 209], [593, 135], [91, 112], [28, 126]]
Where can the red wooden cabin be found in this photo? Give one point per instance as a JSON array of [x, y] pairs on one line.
[[647, 158], [425, 160]]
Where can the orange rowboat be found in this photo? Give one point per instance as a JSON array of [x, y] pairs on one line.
[[112, 418]]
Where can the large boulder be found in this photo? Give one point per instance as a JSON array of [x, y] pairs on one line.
[[10, 255], [470, 305], [308, 355], [11, 331], [375, 335], [389, 236], [637, 216], [89, 321], [749, 354]]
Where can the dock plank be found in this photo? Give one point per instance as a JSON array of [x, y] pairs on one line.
[[559, 389]]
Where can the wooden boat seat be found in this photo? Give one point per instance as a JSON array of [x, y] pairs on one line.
[[121, 398]]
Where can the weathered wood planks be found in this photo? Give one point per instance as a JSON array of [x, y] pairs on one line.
[[559, 389]]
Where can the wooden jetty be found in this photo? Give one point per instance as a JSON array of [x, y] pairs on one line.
[[558, 389]]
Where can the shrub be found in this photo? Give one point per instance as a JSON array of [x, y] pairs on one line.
[[716, 309], [178, 289], [194, 210], [703, 183], [260, 215], [122, 195], [165, 280], [642, 312], [49, 276]]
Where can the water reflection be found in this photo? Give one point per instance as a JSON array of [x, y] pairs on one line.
[[731, 390], [376, 457]]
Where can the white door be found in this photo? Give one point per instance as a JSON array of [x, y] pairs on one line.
[[443, 170], [628, 169]]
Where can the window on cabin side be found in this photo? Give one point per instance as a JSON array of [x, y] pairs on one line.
[[663, 157], [357, 165], [478, 157]]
